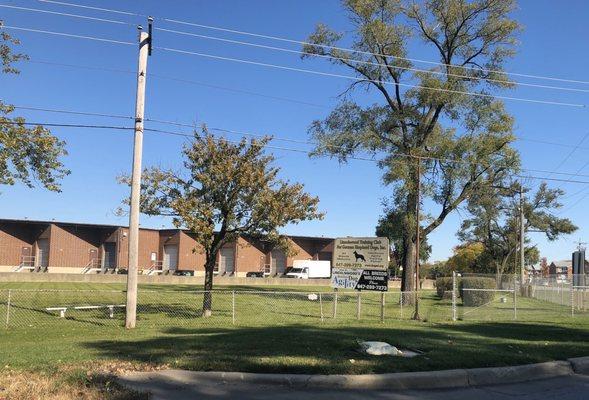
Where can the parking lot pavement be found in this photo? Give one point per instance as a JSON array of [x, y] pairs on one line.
[[574, 387]]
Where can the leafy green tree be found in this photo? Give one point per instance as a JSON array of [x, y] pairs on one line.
[[494, 222], [27, 154], [424, 116], [225, 190], [391, 227], [466, 257]]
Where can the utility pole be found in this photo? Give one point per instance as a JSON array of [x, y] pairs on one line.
[[144, 51], [522, 235], [416, 313]]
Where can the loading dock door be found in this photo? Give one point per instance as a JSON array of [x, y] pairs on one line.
[[227, 261], [110, 255], [42, 253], [278, 262], [171, 257]]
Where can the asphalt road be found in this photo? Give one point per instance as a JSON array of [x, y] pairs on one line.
[[574, 387]]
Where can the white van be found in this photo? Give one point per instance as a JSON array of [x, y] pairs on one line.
[[310, 269]]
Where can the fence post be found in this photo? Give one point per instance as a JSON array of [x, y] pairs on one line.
[[335, 303], [233, 307], [572, 300], [358, 305], [454, 296], [515, 299], [321, 305], [8, 307], [382, 306]]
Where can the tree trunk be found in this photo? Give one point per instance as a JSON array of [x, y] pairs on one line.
[[408, 283], [207, 302]]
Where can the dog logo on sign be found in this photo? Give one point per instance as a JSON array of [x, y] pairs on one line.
[[359, 256]]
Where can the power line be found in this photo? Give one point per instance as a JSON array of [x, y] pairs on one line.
[[327, 56], [110, 21], [244, 133], [60, 111], [116, 70], [181, 80], [485, 95], [91, 8], [71, 35], [252, 34], [91, 126], [282, 67], [58, 125]]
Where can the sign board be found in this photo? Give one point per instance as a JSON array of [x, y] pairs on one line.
[[361, 253], [360, 279]]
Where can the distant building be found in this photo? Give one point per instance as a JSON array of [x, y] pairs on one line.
[[562, 270], [67, 247]]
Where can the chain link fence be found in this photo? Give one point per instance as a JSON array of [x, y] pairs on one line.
[[467, 298], [156, 308], [492, 297]]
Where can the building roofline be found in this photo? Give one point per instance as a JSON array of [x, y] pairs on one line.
[[90, 225], [68, 223]]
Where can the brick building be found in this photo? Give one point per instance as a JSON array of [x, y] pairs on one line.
[[85, 248]]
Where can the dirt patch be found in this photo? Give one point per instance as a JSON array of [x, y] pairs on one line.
[[89, 381]]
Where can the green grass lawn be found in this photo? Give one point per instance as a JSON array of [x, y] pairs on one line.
[[277, 332]]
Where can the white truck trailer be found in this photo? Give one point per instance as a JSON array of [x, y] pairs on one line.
[[310, 269]]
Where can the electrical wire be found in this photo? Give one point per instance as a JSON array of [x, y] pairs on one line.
[[91, 8], [58, 125], [244, 133], [110, 21], [349, 77], [70, 35], [61, 111], [282, 67], [327, 56], [300, 42]]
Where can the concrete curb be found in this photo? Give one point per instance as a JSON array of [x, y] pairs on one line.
[[580, 365], [446, 379]]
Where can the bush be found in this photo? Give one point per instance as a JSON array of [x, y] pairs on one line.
[[442, 285], [474, 299]]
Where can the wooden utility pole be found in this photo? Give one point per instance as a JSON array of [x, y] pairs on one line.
[[416, 313], [522, 235], [131, 306]]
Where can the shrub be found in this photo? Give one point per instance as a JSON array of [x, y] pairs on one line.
[[444, 284], [474, 299]]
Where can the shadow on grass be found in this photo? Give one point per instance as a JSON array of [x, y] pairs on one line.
[[331, 349]]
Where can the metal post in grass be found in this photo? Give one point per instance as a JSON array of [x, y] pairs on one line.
[[321, 306], [8, 307], [515, 300], [382, 306], [572, 301], [334, 303], [454, 296], [233, 307], [358, 305]]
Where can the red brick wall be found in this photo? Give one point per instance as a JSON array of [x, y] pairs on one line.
[[13, 237], [250, 256], [148, 243], [190, 259]]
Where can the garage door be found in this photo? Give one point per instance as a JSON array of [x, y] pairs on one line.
[[278, 262], [171, 257], [43, 253], [227, 261]]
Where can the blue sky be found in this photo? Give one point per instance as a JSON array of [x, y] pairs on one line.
[[553, 43]]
